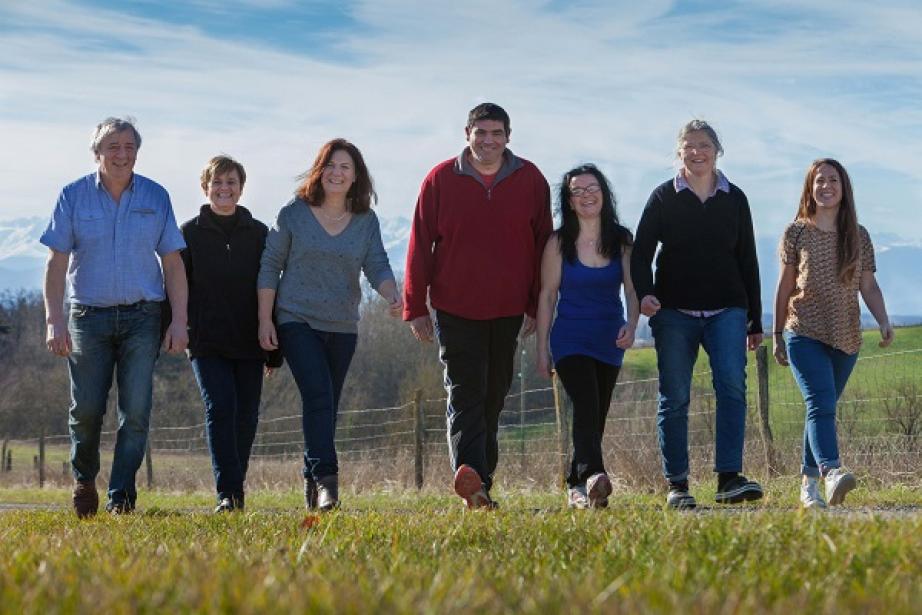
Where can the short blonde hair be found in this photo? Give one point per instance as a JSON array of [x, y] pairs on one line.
[[219, 165]]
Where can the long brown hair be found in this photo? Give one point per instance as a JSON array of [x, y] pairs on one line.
[[847, 249], [361, 193]]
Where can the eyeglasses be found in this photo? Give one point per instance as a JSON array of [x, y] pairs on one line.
[[590, 189]]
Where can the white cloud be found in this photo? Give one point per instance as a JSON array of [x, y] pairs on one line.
[[593, 81]]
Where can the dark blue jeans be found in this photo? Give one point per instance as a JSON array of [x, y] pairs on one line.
[[821, 372], [677, 337], [231, 389], [478, 356], [126, 338], [319, 361]]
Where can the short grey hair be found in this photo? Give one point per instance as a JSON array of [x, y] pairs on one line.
[[703, 126], [111, 125]]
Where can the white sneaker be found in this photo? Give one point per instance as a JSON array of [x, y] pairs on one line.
[[838, 483], [577, 497], [810, 494]]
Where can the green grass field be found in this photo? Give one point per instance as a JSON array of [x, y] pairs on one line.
[[409, 553]]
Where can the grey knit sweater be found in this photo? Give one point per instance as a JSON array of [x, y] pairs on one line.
[[319, 282]]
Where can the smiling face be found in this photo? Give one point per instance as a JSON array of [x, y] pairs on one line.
[[487, 140], [116, 156], [338, 174], [586, 196], [223, 193], [827, 188], [698, 153]]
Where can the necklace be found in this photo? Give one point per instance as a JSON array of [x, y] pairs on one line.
[[331, 218]]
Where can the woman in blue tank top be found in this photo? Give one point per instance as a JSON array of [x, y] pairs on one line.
[[585, 264]]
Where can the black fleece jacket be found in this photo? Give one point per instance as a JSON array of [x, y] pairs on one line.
[[221, 269], [707, 259]]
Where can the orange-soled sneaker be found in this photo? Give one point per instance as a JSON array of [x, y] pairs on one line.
[[470, 488]]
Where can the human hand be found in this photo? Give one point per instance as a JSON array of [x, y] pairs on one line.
[[176, 338], [268, 338], [754, 340], [886, 335], [779, 350], [395, 307], [57, 338], [649, 305], [528, 326], [421, 326], [625, 336]]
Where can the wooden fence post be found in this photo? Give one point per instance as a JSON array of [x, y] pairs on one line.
[[41, 458], [522, 407], [765, 429], [419, 432], [150, 465], [562, 444], [9, 460], [6, 444]]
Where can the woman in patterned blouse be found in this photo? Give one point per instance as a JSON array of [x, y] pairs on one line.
[[826, 260]]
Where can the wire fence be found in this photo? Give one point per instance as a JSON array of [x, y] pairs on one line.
[[879, 425]]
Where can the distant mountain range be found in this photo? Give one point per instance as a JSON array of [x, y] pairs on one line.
[[899, 263]]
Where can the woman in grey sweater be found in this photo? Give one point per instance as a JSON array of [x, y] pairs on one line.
[[320, 242]]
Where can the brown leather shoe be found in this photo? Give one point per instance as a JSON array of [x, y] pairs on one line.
[[328, 492], [85, 498]]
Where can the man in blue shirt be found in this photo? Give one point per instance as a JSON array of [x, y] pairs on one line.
[[105, 236]]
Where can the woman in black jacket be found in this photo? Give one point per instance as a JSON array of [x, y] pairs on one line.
[[224, 244]]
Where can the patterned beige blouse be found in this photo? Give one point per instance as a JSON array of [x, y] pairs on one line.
[[821, 307]]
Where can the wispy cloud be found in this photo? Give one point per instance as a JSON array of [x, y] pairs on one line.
[[609, 82]]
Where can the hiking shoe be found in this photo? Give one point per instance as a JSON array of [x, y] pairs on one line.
[[310, 493], [470, 488], [598, 488], [328, 492], [85, 498], [810, 494], [577, 497], [838, 483], [225, 505], [119, 508], [679, 498], [738, 489]]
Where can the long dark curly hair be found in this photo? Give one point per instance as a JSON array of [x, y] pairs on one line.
[[614, 237]]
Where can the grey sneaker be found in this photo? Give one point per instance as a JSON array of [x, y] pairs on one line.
[[328, 492], [598, 488], [225, 505], [679, 498], [810, 495], [838, 483], [577, 497], [469, 488]]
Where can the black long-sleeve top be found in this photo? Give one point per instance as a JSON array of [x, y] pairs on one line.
[[707, 259]]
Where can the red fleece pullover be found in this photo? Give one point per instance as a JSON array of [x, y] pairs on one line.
[[477, 250]]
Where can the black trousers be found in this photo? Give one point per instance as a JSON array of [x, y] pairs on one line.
[[478, 356], [589, 384]]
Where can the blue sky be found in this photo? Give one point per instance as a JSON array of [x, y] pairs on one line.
[[268, 81]]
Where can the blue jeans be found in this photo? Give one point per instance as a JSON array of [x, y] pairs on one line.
[[318, 360], [821, 372], [231, 389], [677, 337], [128, 339]]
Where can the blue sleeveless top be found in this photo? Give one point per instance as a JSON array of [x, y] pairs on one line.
[[589, 312]]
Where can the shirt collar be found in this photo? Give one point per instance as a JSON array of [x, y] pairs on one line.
[[99, 183], [722, 184]]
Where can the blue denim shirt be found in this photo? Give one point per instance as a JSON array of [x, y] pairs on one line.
[[113, 246]]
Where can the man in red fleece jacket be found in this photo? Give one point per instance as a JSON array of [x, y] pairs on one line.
[[480, 226]]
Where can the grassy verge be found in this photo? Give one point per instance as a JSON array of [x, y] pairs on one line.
[[403, 553]]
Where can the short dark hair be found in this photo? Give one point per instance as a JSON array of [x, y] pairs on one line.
[[489, 111]]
